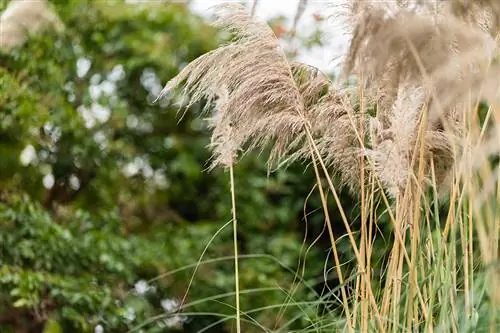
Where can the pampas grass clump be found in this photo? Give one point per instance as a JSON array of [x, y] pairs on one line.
[[425, 67]]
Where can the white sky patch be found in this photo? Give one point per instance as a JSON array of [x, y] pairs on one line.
[[168, 142], [326, 57], [95, 114], [101, 113], [53, 131], [86, 115], [139, 164], [169, 304], [160, 179], [95, 79], [117, 73], [129, 314], [147, 170], [141, 287], [74, 182], [174, 321], [130, 169], [101, 139], [48, 181], [95, 92], [132, 121], [108, 87], [28, 155], [151, 82], [83, 66]]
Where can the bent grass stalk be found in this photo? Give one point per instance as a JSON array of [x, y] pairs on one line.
[[235, 248], [344, 219], [345, 302], [198, 263]]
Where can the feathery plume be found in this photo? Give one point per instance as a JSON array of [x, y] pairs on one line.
[[485, 14], [448, 62], [251, 82], [334, 124], [256, 97]]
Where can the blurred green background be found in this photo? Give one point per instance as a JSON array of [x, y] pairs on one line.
[[105, 201]]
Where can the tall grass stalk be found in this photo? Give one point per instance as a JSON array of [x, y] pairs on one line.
[[324, 203], [235, 250]]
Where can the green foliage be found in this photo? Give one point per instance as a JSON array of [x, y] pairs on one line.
[[46, 266]]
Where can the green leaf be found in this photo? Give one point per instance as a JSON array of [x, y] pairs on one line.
[[53, 326], [22, 302]]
